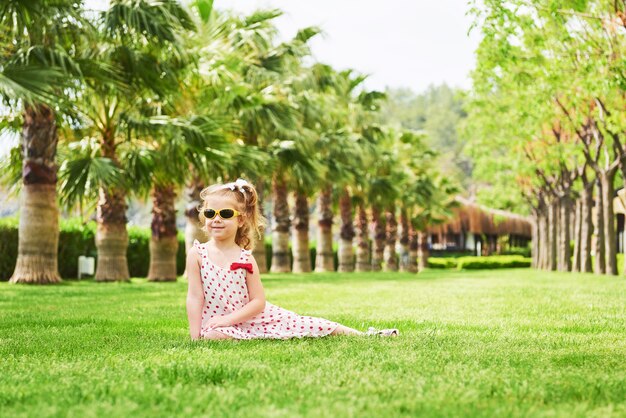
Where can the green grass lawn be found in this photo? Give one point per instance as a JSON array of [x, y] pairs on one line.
[[498, 343]]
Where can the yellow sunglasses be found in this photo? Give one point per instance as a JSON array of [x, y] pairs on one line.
[[224, 213]]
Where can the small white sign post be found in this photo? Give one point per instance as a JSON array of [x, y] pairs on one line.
[[86, 265]]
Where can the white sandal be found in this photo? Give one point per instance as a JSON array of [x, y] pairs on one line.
[[391, 332]]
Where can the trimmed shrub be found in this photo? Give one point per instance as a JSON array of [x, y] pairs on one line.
[[492, 262], [478, 263], [442, 262], [75, 239], [523, 251]]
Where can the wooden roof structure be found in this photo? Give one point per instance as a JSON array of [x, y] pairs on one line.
[[470, 217]]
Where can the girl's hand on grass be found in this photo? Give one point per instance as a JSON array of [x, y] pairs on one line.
[[218, 321]]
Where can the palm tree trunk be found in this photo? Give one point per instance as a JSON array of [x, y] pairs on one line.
[[193, 227], [577, 235], [564, 262], [301, 252], [324, 255], [391, 236], [586, 228], [413, 250], [111, 237], [111, 233], [362, 241], [346, 252], [404, 240], [282, 224], [600, 264], [164, 243], [379, 239], [608, 191], [259, 251], [38, 240], [422, 250]]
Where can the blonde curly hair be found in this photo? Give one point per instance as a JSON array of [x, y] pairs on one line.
[[246, 196]]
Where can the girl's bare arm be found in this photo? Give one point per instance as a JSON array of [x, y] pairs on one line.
[[195, 296]]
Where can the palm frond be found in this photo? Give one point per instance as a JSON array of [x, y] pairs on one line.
[[30, 83], [83, 172], [11, 170], [155, 20]]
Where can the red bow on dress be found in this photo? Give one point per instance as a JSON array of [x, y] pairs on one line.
[[245, 266]]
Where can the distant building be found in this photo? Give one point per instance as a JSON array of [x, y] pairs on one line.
[[476, 229]]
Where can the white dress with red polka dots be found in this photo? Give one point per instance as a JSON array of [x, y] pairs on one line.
[[225, 291]]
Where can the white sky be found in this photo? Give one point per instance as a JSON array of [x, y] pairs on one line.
[[399, 43]]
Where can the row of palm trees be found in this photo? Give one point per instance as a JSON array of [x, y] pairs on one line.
[[148, 97]]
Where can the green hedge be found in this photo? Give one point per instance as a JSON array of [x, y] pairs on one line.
[[8, 246], [479, 263], [77, 238]]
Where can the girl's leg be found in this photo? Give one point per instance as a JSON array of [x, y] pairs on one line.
[[343, 330]]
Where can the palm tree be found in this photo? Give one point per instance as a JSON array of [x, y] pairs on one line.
[[425, 197], [363, 260], [371, 135], [347, 233], [254, 69], [141, 41], [431, 202], [381, 193], [36, 69], [340, 146], [300, 246], [391, 236]]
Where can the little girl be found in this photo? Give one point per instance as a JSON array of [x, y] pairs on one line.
[[225, 299]]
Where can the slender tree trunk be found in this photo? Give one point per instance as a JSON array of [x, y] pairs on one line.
[[363, 262], [301, 252], [552, 233], [346, 251], [38, 238], [391, 236], [282, 224], [260, 252], [404, 240], [544, 239], [608, 191], [577, 235], [565, 262], [379, 239], [164, 243], [535, 240], [422, 250], [586, 228], [413, 250], [324, 251], [600, 264]]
